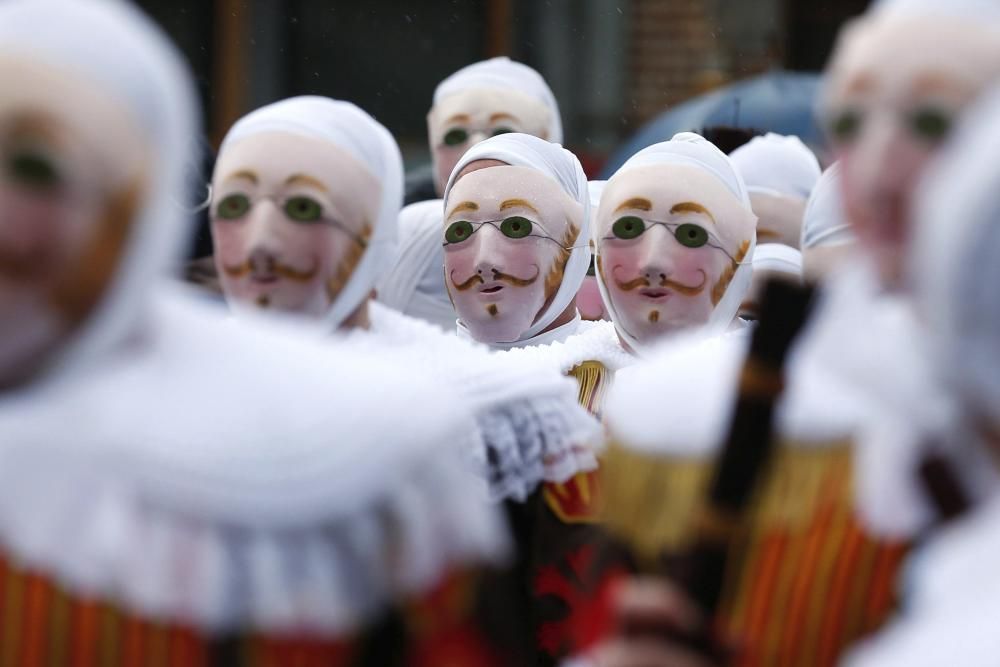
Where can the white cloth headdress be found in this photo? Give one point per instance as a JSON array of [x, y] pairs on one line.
[[779, 258], [153, 85], [350, 128], [778, 165], [524, 150], [689, 149], [414, 284], [504, 74], [824, 222]]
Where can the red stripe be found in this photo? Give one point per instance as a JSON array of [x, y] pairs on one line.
[[773, 547], [84, 623], [844, 575], [38, 603], [883, 585]]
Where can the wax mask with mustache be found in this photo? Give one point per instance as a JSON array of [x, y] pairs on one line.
[[488, 98], [898, 79], [71, 180], [291, 218], [670, 239], [508, 232]]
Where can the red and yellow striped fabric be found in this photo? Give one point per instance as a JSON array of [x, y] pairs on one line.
[[43, 625], [807, 580], [594, 380]]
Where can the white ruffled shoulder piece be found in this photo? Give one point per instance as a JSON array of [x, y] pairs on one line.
[[531, 428], [236, 476], [950, 612], [592, 341], [871, 346], [680, 401]]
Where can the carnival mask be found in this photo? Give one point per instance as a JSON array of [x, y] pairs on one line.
[[291, 219], [463, 119], [73, 177], [508, 234], [895, 87], [669, 240]]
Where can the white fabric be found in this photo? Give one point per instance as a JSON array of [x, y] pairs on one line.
[[524, 150], [152, 84], [261, 461], [970, 10], [596, 189], [679, 401], [778, 165], [779, 258], [824, 222], [531, 426], [289, 515], [414, 284], [951, 611], [590, 341], [693, 150], [954, 263], [503, 73], [350, 128]]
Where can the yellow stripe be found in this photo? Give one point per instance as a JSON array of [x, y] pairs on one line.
[[592, 379]]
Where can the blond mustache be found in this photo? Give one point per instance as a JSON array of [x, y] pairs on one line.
[[680, 288], [497, 275], [281, 270]]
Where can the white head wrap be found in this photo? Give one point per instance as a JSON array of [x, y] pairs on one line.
[[954, 259], [596, 189], [524, 150], [693, 150], [350, 128], [777, 165], [414, 284], [973, 10], [779, 258], [504, 73], [824, 222], [117, 48]]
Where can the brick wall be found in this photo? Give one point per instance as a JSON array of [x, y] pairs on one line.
[[680, 48]]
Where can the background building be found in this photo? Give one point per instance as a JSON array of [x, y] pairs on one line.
[[612, 64]]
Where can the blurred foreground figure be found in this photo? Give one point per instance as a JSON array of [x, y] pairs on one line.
[[952, 600], [174, 488], [814, 566], [482, 100], [828, 239]]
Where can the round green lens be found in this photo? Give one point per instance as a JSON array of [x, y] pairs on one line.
[[458, 231], [846, 125], [456, 137], [233, 206], [515, 227], [32, 170], [502, 130], [930, 124], [628, 227], [303, 209], [690, 235]]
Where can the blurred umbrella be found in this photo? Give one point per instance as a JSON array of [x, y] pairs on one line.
[[777, 101]]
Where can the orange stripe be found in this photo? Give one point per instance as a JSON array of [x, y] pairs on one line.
[[854, 616], [132, 641], [84, 634], [38, 597], [800, 595], [782, 594], [822, 581], [157, 646], [844, 579], [772, 549], [883, 585]]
